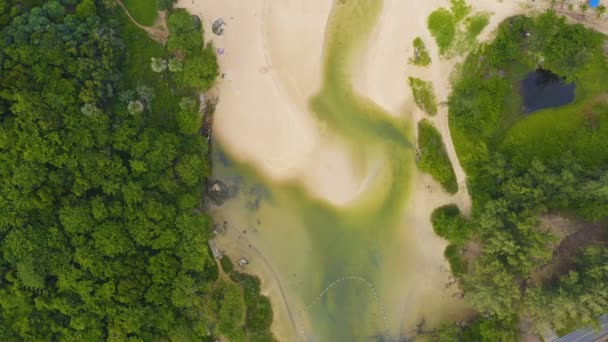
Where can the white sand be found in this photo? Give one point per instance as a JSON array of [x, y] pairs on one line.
[[272, 62]]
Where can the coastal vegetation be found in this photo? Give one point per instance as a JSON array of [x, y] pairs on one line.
[[456, 29], [433, 157], [103, 170], [421, 54], [424, 95], [258, 311], [443, 28], [522, 167]]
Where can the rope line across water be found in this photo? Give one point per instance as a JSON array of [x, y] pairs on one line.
[[338, 281]]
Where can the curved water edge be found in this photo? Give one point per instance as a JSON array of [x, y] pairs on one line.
[[310, 242], [543, 89]]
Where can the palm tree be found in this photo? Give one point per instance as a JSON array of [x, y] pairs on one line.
[[600, 11]]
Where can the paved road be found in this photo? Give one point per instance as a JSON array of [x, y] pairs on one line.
[[588, 334]]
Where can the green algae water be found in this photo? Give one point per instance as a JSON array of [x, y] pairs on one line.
[[338, 267]]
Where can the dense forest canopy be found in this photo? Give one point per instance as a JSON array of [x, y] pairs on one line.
[[103, 168], [521, 168]]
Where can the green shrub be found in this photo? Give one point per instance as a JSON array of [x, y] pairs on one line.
[[442, 25], [258, 318], [457, 265], [421, 54], [184, 33], [200, 70], [449, 224], [433, 157], [165, 4], [86, 9], [424, 95], [226, 264]]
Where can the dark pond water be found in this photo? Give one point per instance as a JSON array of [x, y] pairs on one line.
[[544, 89]]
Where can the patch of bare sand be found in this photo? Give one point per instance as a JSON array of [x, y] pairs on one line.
[[272, 61]]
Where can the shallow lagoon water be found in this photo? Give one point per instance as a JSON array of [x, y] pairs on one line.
[[345, 272]]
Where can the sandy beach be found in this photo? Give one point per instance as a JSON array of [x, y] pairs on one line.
[[272, 61]]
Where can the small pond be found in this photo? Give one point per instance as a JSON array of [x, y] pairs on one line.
[[544, 89]]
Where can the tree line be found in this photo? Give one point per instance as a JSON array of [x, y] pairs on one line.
[[101, 231], [513, 185]]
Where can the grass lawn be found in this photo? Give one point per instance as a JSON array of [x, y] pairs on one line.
[[140, 48], [580, 127], [143, 11]]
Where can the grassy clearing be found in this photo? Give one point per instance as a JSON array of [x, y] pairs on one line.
[[552, 132], [424, 95], [143, 11], [450, 224], [421, 54], [140, 47], [433, 157]]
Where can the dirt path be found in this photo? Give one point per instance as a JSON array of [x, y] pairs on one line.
[[158, 31]]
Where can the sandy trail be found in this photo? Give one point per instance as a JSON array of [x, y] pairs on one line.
[[273, 60]]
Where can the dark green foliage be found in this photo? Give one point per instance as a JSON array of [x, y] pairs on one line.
[[449, 224], [200, 67], [433, 157], [259, 311], [184, 33], [579, 298], [520, 168], [457, 264], [165, 4], [484, 106], [226, 264], [99, 235], [200, 70], [482, 329], [86, 9]]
